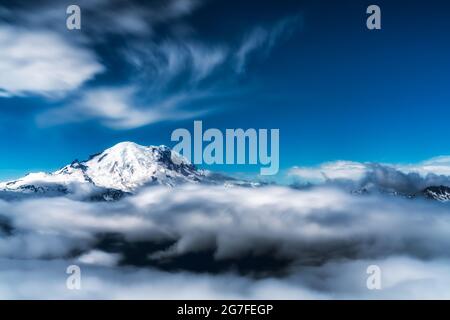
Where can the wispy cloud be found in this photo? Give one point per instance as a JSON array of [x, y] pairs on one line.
[[111, 16], [39, 57], [263, 39], [162, 75], [172, 72], [161, 63], [117, 108]]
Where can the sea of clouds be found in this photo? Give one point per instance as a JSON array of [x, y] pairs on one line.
[[315, 243]]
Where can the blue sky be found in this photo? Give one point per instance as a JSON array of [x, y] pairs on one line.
[[136, 72]]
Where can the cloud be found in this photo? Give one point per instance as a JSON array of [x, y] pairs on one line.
[[163, 62], [238, 221], [117, 108], [42, 63], [167, 75], [160, 67], [110, 17], [39, 279], [263, 39], [171, 74], [328, 236], [438, 166], [331, 170], [100, 258], [205, 60], [403, 278], [162, 73], [133, 17], [406, 178]]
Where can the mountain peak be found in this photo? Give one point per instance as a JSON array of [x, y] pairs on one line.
[[125, 166], [440, 193], [125, 146]]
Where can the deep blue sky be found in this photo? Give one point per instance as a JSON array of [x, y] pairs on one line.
[[334, 89]]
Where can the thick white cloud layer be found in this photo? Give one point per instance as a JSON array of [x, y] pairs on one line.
[[403, 278], [329, 237]]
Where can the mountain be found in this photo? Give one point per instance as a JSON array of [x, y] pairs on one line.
[[118, 170], [440, 193], [127, 166]]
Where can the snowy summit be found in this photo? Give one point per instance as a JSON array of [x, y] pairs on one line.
[[126, 166]]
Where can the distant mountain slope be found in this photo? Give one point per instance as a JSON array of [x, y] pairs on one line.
[[440, 193], [127, 166]]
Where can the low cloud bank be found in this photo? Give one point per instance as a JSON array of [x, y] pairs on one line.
[[315, 243], [402, 278], [406, 179]]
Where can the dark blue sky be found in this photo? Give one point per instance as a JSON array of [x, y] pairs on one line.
[[334, 89]]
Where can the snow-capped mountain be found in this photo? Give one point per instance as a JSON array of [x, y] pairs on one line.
[[128, 166], [124, 167], [440, 193]]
